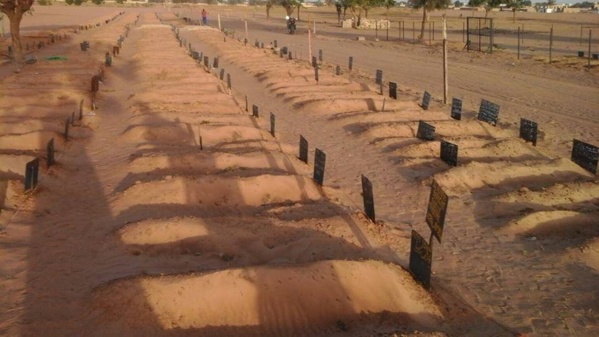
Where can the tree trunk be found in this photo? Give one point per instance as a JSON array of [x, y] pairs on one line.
[[15, 33], [298, 12], [514, 16], [268, 6], [423, 24]]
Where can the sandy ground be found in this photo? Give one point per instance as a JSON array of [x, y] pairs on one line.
[[172, 212]]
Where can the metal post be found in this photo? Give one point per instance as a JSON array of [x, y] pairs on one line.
[[589, 56], [413, 31], [445, 80], [550, 42], [518, 43]]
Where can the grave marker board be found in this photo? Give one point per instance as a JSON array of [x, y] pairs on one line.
[[206, 61], [314, 63], [368, 198], [421, 258], [393, 90], [436, 211], [316, 73], [255, 111], [449, 153], [456, 108], [50, 152], [425, 131], [320, 159], [379, 77], [528, 131], [351, 63], [585, 155], [426, 100], [303, 149], [488, 112], [320, 55], [337, 70], [215, 63], [31, 173], [272, 124], [222, 74], [66, 128], [229, 81]]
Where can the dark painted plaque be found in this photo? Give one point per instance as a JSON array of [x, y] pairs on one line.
[[320, 159], [314, 62], [229, 81], [67, 124], [393, 90], [303, 149], [379, 77], [456, 108], [351, 63], [206, 61], [426, 100], [272, 124], [31, 173], [255, 111], [449, 153], [437, 208], [222, 74], [488, 112], [81, 110], [585, 155], [528, 131], [337, 70], [50, 152], [368, 197], [215, 63], [421, 259], [425, 131]]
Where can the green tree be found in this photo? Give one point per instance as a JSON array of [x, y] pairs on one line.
[[14, 10], [458, 3], [388, 4], [515, 5], [98, 2], [120, 2], [427, 6], [488, 4]]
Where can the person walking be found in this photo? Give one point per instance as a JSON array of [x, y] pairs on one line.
[[204, 16]]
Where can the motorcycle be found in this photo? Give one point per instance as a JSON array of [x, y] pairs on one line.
[[291, 25]]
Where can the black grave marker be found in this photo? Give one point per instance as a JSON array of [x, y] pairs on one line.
[[206, 61], [67, 124], [31, 173], [425, 131], [255, 111], [81, 110], [320, 55], [426, 100], [337, 70], [456, 108], [449, 153], [314, 62], [488, 112], [585, 155], [320, 159], [379, 77], [222, 74], [421, 259], [215, 63], [229, 81], [303, 149], [368, 198], [437, 208], [275, 43], [351, 63], [272, 124], [528, 131], [393, 90], [50, 152]]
